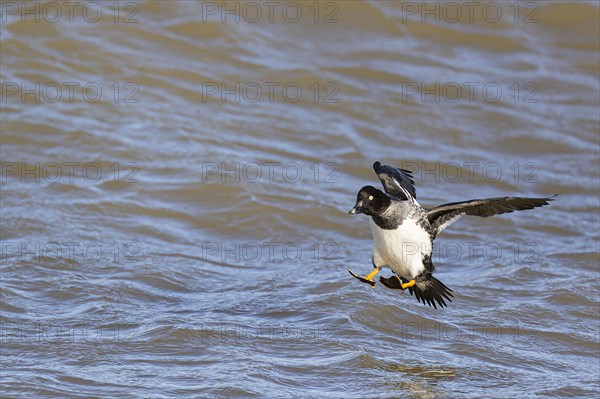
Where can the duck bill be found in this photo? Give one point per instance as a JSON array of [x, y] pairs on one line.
[[357, 209]]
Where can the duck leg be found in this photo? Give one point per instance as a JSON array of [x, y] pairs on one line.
[[395, 282], [368, 278], [408, 284]]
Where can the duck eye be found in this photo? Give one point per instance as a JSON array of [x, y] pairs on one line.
[[370, 198]]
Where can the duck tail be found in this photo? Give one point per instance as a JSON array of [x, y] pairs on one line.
[[430, 291]]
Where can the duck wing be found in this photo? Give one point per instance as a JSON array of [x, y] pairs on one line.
[[443, 216], [398, 183]]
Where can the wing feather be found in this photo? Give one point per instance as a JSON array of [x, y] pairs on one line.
[[396, 182], [444, 215]]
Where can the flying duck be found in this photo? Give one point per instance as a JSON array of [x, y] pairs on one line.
[[403, 231]]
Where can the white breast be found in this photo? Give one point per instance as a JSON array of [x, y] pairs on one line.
[[402, 249]]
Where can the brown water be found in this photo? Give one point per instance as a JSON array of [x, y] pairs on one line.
[[175, 189]]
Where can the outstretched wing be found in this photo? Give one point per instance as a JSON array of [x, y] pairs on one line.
[[444, 215], [396, 182]]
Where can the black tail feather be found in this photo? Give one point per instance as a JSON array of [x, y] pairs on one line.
[[429, 291]]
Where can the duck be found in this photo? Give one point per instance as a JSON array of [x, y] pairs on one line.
[[403, 231]]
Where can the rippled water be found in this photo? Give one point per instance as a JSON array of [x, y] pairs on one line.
[[175, 189]]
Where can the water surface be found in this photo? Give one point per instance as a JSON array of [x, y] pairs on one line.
[[177, 226]]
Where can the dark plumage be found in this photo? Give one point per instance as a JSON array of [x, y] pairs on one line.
[[397, 182]]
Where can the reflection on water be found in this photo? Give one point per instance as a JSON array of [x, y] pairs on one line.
[[176, 177]]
